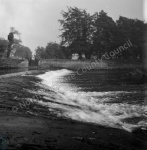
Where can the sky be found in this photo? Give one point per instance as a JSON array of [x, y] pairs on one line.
[[37, 20]]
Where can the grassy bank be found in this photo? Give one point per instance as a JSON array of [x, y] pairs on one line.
[[91, 64], [71, 64], [12, 63]]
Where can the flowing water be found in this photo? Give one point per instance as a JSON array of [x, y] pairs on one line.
[[103, 97]]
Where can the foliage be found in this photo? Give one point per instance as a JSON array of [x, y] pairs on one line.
[[17, 41], [53, 50], [77, 28], [23, 52], [132, 29], [3, 45], [103, 36], [19, 50], [41, 53], [66, 51], [13, 41], [99, 33]]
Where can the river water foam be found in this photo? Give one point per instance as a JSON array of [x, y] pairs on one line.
[[71, 101]]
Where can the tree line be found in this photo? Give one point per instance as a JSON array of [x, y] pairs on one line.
[[89, 34], [51, 51], [95, 34]]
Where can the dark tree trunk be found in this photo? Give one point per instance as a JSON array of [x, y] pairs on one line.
[[80, 55], [87, 55], [9, 50]]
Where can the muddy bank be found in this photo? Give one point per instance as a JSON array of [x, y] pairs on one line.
[[25, 131]]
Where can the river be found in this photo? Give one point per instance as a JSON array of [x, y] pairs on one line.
[[103, 97]]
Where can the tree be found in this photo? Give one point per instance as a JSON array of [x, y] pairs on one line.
[[104, 29], [23, 52], [76, 26], [15, 42], [138, 38], [3, 46], [66, 51], [99, 33], [41, 53], [54, 51], [132, 29]]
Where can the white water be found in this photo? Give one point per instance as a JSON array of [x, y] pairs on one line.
[[69, 101]]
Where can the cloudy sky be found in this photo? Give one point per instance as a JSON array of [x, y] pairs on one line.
[[37, 20]]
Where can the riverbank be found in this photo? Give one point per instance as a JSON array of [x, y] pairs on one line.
[[37, 128], [30, 132], [20, 73], [6, 64], [90, 64], [13, 63]]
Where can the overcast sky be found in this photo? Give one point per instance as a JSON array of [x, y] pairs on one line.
[[37, 20]]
